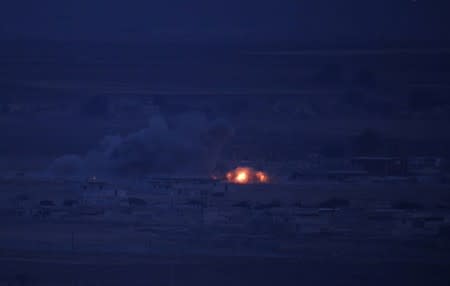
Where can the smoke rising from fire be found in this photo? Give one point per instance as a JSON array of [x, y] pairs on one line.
[[185, 144]]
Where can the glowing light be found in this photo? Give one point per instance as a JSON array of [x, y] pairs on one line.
[[261, 177], [242, 177], [245, 175]]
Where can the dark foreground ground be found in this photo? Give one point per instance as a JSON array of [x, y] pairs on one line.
[[370, 240], [39, 269]]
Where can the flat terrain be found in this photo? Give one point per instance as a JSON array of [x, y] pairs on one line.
[[198, 234], [104, 270]]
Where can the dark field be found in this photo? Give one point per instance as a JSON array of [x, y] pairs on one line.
[[143, 270], [398, 236]]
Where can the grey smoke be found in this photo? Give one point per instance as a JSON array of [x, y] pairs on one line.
[[186, 144], [67, 165]]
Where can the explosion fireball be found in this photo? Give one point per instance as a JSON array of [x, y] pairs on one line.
[[245, 175]]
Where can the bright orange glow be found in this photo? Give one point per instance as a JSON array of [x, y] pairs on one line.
[[245, 175], [242, 177], [261, 177]]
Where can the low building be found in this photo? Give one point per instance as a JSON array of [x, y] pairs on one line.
[[97, 192], [381, 166], [425, 163], [103, 197]]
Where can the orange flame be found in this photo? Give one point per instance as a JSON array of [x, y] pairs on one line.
[[245, 175], [262, 177]]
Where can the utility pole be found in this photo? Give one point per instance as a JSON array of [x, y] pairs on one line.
[[73, 240]]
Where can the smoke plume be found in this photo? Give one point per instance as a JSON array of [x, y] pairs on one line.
[[186, 144]]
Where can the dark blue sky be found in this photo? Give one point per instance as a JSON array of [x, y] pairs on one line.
[[226, 21]]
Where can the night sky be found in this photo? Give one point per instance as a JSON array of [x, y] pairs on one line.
[[226, 21]]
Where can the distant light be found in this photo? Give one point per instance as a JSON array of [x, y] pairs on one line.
[[246, 175], [242, 177]]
